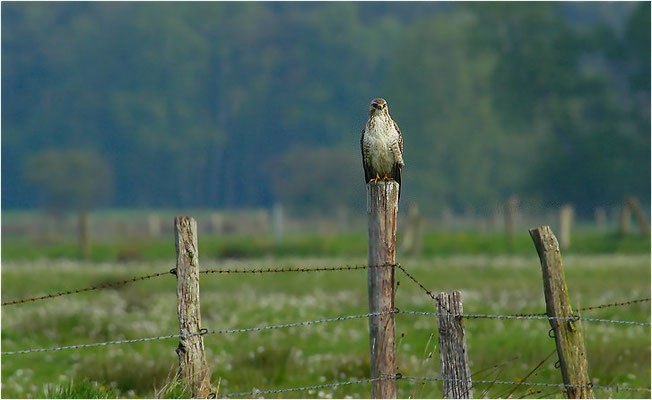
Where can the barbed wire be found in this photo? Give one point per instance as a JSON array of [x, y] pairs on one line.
[[601, 306], [319, 321], [304, 388], [528, 315], [202, 332], [500, 316], [427, 378], [78, 346], [547, 384], [289, 269], [87, 289]]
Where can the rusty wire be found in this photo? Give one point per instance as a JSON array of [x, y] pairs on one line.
[[291, 269], [87, 289]]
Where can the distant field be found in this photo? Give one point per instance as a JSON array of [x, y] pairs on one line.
[[498, 349], [308, 245]]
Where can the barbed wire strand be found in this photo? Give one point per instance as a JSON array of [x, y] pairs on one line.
[[317, 321], [561, 385], [87, 289], [499, 316], [424, 378], [204, 332], [304, 388], [290, 269], [601, 306], [78, 346]]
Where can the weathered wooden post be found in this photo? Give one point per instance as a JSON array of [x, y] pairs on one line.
[[639, 214], [455, 371], [568, 333], [565, 225], [625, 217], [193, 369], [510, 219], [382, 209]]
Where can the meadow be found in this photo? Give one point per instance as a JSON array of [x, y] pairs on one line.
[[321, 353]]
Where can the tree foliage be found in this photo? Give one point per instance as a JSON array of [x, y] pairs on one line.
[[550, 100], [69, 179]]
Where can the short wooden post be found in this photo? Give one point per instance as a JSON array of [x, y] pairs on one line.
[[565, 225], [455, 371], [510, 219], [193, 369], [568, 333], [625, 217], [639, 215], [382, 209]]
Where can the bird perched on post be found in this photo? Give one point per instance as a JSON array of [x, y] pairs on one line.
[[381, 143]]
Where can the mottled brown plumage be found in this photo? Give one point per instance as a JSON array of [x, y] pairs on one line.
[[381, 143]]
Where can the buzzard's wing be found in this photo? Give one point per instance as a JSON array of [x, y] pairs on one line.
[[398, 165], [365, 159]]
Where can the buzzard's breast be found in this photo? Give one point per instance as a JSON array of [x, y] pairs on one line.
[[378, 143]]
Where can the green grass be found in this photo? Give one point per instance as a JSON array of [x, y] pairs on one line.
[[617, 355], [343, 245]]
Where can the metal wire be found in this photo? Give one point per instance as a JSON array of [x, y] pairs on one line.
[[304, 323], [203, 332], [318, 321], [78, 346], [424, 378], [303, 388], [428, 292], [499, 316], [88, 289], [561, 385], [290, 269]]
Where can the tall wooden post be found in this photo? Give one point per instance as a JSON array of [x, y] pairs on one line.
[[382, 209], [565, 225], [639, 215], [455, 371], [568, 333], [193, 369]]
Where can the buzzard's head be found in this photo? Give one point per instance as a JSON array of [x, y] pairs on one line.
[[378, 106]]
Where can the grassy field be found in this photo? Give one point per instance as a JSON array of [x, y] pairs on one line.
[[342, 245], [498, 349]]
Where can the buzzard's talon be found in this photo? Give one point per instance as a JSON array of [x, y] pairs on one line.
[[385, 178], [375, 180]]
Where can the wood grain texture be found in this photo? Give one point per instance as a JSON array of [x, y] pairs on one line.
[[193, 369], [568, 334], [382, 210], [455, 372]]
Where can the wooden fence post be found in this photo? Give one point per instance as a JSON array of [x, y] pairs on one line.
[[84, 240], [565, 225], [625, 216], [455, 372], [639, 214], [382, 209], [568, 333], [193, 369]]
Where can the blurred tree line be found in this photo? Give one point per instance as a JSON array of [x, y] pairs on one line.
[[248, 104]]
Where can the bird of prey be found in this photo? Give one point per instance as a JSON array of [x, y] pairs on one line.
[[381, 143]]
